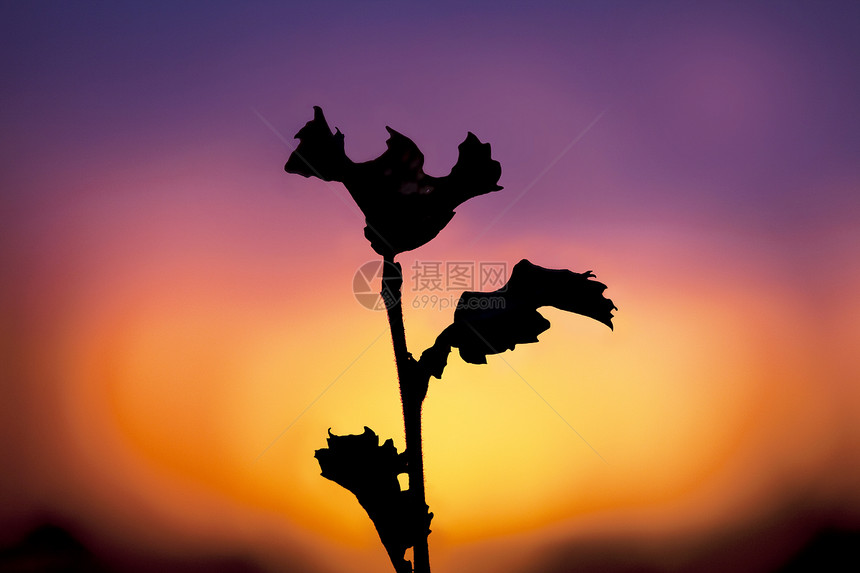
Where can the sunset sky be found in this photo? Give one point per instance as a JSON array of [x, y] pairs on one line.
[[178, 329]]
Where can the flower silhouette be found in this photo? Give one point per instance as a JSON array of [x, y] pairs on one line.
[[404, 207]]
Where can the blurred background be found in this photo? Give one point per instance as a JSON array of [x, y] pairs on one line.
[[178, 329]]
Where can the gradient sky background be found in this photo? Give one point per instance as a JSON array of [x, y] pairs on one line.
[[172, 301]]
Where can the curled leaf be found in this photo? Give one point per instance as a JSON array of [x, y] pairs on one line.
[[492, 322], [359, 464], [404, 207]]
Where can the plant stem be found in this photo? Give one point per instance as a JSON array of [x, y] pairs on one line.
[[413, 389]]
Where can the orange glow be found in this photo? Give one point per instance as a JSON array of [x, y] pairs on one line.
[[195, 390], [200, 382]]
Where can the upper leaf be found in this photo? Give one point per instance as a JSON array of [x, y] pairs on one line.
[[404, 207], [492, 322]]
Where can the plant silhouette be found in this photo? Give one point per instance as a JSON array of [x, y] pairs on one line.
[[405, 208]]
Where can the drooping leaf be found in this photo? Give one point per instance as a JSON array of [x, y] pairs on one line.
[[492, 322], [359, 464], [404, 207]]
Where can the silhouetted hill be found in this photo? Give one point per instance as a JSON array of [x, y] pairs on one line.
[[53, 549], [829, 551], [49, 549]]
